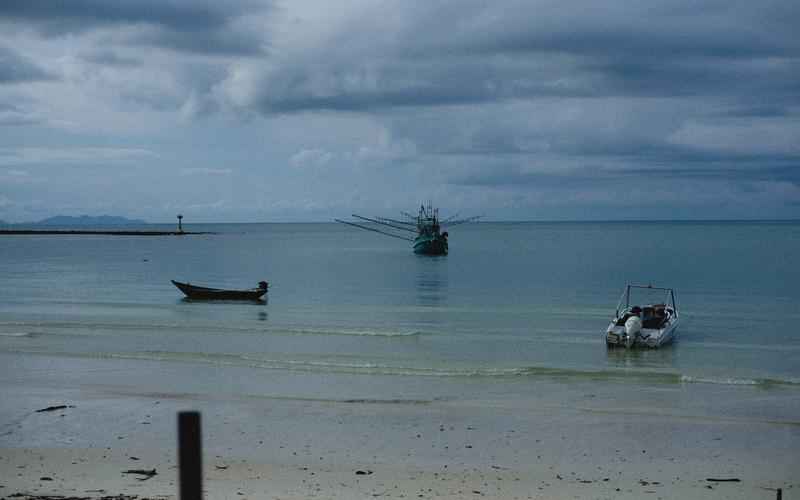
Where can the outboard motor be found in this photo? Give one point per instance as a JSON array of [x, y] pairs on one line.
[[633, 327]]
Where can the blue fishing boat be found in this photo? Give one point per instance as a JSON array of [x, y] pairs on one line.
[[426, 226]]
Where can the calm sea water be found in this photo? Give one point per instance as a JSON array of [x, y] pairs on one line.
[[351, 312]]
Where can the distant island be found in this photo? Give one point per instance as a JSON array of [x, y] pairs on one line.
[[91, 225], [87, 220]]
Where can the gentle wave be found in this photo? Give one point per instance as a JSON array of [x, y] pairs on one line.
[[16, 334], [88, 329], [346, 332], [739, 381], [749, 347], [379, 369]]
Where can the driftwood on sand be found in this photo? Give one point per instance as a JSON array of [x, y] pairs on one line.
[[147, 473], [54, 408]]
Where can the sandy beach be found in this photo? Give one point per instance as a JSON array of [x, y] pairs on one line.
[[567, 444]]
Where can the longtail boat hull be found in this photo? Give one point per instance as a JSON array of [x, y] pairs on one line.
[[204, 293]]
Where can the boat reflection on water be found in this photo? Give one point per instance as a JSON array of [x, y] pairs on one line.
[[249, 302], [432, 285], [642, 358]]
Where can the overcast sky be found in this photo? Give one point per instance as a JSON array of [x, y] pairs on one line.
[[259, 110]]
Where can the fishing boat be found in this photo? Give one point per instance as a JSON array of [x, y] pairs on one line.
[[426, 228], [205, 293], [643, 324]]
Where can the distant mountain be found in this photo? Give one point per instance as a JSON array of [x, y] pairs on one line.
[[86, 220]]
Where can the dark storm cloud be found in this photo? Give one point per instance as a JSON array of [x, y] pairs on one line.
[[533, 49], [511, 175], [193, 26], [757, 111], [595, 177], [14, 68], [401, 83], [79, 15], [624, 159], [221, 41]]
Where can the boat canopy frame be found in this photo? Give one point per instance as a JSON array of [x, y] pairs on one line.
[[626, 297]]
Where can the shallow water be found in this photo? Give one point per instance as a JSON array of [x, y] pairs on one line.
[[513, 304]]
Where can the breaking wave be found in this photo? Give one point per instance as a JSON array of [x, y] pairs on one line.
[[101, 328], [16, 334]]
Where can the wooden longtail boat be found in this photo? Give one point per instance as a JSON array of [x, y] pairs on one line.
[[205, 293]]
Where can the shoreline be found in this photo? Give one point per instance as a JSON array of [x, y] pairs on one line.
[[94, 232]]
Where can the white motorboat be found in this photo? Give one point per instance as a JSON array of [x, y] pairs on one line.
[[642, 324]]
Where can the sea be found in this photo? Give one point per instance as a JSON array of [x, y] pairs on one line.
[[514, 308]]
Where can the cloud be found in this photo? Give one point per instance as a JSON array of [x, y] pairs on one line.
[[201, 26], [14, 115], [397, 55], [76, 155], [213, 206], [206, 171], [750, 137], [108, 57], [15, 68], [311, 158]]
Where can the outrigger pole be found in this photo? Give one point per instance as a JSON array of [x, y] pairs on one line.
[[395, 221], [374, 230], [384, 223], [462, 221]]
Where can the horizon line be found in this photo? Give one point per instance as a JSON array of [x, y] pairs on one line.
[[500, 221]]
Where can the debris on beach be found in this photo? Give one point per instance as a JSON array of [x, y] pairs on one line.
[[148, 473], [26, 496], [728, 480], [55, 408], [363, 472]]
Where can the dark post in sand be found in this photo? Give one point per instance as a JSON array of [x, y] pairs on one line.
[[190, 461], [180, 226]]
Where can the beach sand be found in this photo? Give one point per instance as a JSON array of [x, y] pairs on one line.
[[577, 445]]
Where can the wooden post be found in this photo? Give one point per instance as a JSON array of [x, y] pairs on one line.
[[779, 494], [190, 458], [180, 225]]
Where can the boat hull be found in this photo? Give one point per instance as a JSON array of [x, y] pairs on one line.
[[430, 245], [615, 336], [204, 293]]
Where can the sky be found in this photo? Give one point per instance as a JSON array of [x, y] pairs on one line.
[[270, 110]]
